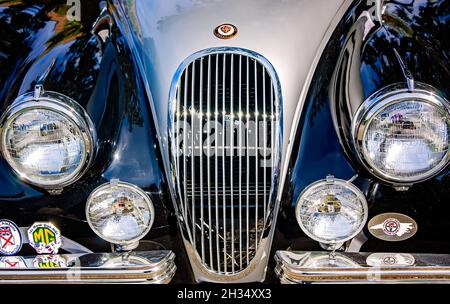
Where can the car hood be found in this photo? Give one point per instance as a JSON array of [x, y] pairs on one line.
[[288, 33]]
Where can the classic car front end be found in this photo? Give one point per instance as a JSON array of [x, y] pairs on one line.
[[224, 141]]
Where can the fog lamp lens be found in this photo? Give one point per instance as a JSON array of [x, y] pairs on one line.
[[119, 212], [331, 211]]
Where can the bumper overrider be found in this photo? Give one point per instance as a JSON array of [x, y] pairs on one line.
[[344, 267], [133, 267], [80, 265]]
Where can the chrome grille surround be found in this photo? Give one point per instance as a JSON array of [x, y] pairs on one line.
[[225, 182]]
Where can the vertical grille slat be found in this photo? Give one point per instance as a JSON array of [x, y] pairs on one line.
[[240, 160], [191, 110], [202, 220], [248, 162], [225, 145], [231, 145], [216, 115], [264, 137], [256, 148], [224, 68], [185, 200], [208, 160]]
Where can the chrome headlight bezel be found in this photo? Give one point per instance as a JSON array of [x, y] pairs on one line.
[[69, 110], [329, 181], [376, 103], [131, 187]]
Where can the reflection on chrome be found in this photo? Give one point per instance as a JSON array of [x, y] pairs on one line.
[[131, 267], [408, 137], [390, 259], [331, 211], [341, 267], [41, 126], [402, 135], [120, 213]]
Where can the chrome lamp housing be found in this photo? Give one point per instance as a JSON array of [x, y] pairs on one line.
[[120, 213], [331, 211], [401, 134], [47, 138]]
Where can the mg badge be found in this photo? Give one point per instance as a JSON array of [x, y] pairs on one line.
[[10, 238], [15, 262], [225, 31], [49, 261], [45, 238], [392, 227]]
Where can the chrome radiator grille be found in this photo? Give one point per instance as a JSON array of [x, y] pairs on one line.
[[224, 139]]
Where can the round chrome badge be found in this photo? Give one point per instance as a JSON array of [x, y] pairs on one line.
[[10, 238], [44, 237], [392, 227], [225, 31]]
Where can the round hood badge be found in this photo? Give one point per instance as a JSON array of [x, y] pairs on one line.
[[225, 31]]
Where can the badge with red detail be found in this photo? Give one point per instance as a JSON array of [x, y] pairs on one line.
[[12, 262], [10, 238], [379, 259], [45, 238], [49, 261], [225, 31], [392, 227]]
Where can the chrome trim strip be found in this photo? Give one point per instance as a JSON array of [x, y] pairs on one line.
[[147, 267], [324, 267], [209, 162], [240, 162]]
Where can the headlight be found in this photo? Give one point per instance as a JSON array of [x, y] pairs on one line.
[[403, 136], [331, 211], [120, 213], [48, 140]]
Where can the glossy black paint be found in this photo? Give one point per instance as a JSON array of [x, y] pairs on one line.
[[101, 76], [364, 54]]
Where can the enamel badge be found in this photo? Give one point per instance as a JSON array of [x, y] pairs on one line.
[[44, 237], [392, 227], [390, 259], [10, 238], [225, 31], [15, 262], [49, 261]]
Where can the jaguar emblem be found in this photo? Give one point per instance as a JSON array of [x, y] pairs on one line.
[[225, 31]]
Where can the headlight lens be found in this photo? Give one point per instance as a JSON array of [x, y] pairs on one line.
[[403, 136], [331, 211], [119, 212], [47, 141]]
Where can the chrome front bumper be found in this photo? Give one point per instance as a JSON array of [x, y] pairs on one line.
[[133, 267], [323, 267]]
